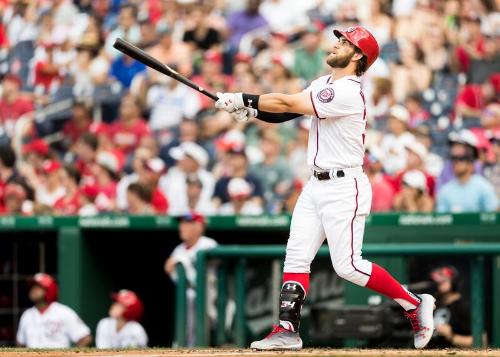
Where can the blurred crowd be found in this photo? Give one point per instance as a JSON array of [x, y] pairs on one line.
[[86, 130]]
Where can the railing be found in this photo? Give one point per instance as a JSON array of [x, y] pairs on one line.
[[475, 251]]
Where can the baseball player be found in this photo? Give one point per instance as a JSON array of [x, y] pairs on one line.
[[122, 328], [337, 198], [50, 324]]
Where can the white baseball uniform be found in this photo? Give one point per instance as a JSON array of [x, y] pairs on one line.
[[335, 208], [56, 327], [132, 334]]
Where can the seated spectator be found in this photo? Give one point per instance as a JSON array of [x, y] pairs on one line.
[[240, 203], [467, 192], [195, 200], [48, 74], [418, 115], [191, 159], [273, 172], [413, 196], [452, 315], [13, 104], [382, 188], [238, 167], [127, 28], [35, 154], [70, 203], [88, 194], [309, 57], [471, 100], [433, 162], [79, 124], [200, 35], [15, 200], [170, 102], [125, 68], [85, 151], [139, 197], [50, 324], [106, 171], [50, 187], [188, 131], [122, 328], [393, 143], [8, 171], [191, 230], [127, 131], [492, 170]]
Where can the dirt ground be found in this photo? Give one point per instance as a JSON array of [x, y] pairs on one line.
[[244, 352]]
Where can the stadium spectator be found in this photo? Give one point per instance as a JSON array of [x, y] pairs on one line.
[[88, 194], [452, 315], [413, 196], [48, 74], [79, 124], [240, 203], [197, 202], [126, 132], [70, 203], [241, 23], [139, 197], [273, 172], [433, 162], [122, 328], [127, 28], [125, 68], [199, 34], [85, 151], [191, 159], [188, 131], [8, 172], [492, 171], [191, 229], [467, 192], [393, 143], [13, 104], [238, 167], [50, 324], [106, 171], [49, 186], [471, 100], [418, 114], [15, 200], [309, 58], [382, 188]]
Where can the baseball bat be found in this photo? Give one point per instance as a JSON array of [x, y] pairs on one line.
[[143, 57]]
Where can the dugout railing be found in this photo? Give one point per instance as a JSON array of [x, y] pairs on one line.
[[477, 253]]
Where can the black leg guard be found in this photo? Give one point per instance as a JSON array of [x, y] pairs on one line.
[[292, 298]]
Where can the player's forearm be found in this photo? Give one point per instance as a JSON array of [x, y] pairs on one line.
[[275, 103], [461, 341]]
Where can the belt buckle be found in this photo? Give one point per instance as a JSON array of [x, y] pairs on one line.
[[332, 173]]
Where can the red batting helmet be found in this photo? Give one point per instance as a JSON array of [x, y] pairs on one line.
[[133, 305], [49, 284], [362, 39]]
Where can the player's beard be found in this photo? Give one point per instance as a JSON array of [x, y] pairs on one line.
[[335, 61]]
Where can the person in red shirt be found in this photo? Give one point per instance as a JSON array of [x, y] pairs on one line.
[[126, 133], [85, 150], [70, 203], [473, 98], [47, 73], [106, 171], [15, 200], [211, 77], [153, 170], [79, 123], [382, 190], [13, 104]]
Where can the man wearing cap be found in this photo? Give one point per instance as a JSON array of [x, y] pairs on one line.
[[467, 192], [240, 203], [413, 195], [191, 229], [336, 200], [50, 324], [12, 104], [190, 158]]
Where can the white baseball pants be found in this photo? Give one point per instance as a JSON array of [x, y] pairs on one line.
[[335, 209]]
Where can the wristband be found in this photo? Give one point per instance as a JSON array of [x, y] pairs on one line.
[[251, 100]]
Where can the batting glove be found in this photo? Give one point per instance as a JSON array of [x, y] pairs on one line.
[[242, 115], [229, 101]]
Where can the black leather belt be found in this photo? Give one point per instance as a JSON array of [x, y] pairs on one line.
[[325, 175]]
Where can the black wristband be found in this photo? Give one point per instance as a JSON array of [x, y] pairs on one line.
[[251, 100]]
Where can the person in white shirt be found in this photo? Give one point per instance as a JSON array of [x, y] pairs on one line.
[[240, 203], [336, 200], [393, 145], [49, 324], [191, 228], [122, 328]]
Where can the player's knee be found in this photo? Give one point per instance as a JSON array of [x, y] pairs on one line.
[[349, 273]]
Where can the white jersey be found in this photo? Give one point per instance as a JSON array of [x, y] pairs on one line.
[[132, 334], [56, 327], [336, 137]]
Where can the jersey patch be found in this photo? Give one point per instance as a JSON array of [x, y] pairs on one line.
[[326, 95]]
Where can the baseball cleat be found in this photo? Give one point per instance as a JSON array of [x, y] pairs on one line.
[[422, 320], [279, 339]]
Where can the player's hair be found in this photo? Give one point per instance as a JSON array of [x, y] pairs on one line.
[[361, 66]]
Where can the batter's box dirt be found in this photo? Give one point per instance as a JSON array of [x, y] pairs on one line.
[[11, 352]]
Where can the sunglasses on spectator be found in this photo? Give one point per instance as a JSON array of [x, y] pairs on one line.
[[461, 158]]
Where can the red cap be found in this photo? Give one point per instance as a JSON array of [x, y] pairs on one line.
[[213, 56], [48, 283], [90, 191], [443, 274], [38, 146], [50, 166], [192, 216], [362, 39], [133, 305]]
